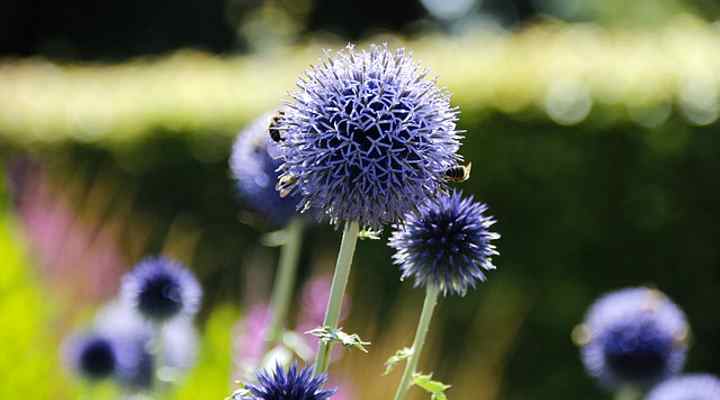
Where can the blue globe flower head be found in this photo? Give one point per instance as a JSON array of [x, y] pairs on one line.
[[296, 384], [92, 356], [254, 165], [131, 334], [687, 387], [161, 289], [447, 243], [137, 365], [367, 137], [634, 337]]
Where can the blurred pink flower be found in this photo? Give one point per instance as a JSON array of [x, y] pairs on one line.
[[248, 340], [249, 333], [315, 295], [80, 257]]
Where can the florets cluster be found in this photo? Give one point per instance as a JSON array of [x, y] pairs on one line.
[[92, 356], [446, 243], [255, 171], [367, 137], [161, 289], [634, 337], [688, 387], [296, 384]]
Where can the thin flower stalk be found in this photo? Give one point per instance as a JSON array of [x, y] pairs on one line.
[[285, 280], [337, 291], [431, 298]]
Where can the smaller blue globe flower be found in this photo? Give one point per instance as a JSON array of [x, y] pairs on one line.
[[92, 356], [137, 364], [132, 335], [633, 337], [254, 168], [446, 243], [296, 384], [687, 387], [161, 289]]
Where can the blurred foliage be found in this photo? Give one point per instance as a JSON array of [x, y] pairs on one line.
[[595, 148], [211, 377], [30, 358], [565, 72]]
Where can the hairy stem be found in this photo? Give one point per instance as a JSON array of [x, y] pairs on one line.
[[431, 298], [284, 281], [337, 290]]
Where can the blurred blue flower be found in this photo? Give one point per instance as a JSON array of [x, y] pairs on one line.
[[92, 356], [297, 384], [138, 364], [446, 243], [687, 387], [634, 336], [254, 168], [367, 137], [180, 342], [161, 289], [132, 335]]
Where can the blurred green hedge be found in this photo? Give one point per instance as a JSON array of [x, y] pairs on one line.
[[562, 72]]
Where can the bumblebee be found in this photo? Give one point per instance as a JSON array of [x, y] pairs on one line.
[[284, 184], [274, 126], [458, 173]]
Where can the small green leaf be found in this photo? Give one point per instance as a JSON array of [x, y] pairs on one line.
[[435, 388], [438, 396], [328, 334], [400, 355], [369, 233]]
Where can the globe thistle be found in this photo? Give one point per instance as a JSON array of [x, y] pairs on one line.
[[446, 243], [296, 384], [367, 136], [92, 356], [688, 387], [132, 335], [255, 170], [633, 337], [180, 345], [138, 364], [161, 289]]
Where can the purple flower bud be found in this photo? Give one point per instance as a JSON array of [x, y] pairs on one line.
[[446, 243]]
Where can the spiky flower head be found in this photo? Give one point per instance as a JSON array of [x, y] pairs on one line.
[[92, 356], [161, 289], [688, 387], [296, 384], [367, 136], [254, 167], [447, 243], [633, 336]]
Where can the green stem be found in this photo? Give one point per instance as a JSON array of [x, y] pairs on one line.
[[337, 290], [431, 298], [284, 280], [628, 393], [160, 379]]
